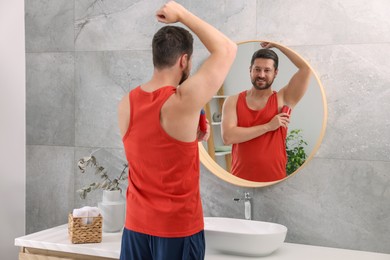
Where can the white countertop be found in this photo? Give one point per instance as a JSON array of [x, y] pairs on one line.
[[291, 251], [56, 239]]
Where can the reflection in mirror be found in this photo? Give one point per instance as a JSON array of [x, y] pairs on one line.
[[306, 123]]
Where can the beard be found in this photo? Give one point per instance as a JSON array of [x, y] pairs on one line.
[[184, 75], [261, 85]]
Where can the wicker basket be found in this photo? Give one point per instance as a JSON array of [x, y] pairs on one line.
[[80, 233]]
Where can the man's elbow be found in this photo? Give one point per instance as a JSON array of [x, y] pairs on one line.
[[226, 139], [228, 51], [231, 50], [306, 70]]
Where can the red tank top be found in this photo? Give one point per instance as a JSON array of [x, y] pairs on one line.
[[263, 158], [163, 197]]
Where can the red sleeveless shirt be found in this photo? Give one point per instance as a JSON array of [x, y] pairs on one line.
[[263, 158], [163, 197]]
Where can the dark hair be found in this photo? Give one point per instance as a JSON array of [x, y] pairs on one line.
[[265, 54], [169, 43]]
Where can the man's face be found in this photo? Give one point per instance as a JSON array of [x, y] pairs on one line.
[[262, 73]]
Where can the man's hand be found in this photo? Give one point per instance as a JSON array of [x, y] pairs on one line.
[[204, 136], [267, 45], [171, 12], [281, 119]]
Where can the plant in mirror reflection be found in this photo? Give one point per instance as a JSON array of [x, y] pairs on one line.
[[105, 183], [296, 154]]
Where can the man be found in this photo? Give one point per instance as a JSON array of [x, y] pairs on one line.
[[159, 121], [253, 122]]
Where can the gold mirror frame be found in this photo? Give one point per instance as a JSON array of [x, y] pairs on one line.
[[221, 173]]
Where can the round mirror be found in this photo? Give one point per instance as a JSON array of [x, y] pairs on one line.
[[306, 127]]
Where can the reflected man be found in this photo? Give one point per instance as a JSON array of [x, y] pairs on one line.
[[253, 121]]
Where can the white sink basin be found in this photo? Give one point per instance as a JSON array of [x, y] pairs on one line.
[[243, 237]]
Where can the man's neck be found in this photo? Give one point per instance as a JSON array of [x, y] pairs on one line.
[[161, 78], [259, 93]]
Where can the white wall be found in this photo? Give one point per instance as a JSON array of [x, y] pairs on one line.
[[12, 126]]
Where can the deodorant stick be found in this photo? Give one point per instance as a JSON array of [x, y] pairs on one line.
[[286, 109], [202, 121]]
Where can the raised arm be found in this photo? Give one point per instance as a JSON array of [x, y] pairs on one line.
[[198, 89], [297, 86], [233, 134]]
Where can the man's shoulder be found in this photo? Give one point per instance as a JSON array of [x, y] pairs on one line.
[[124, 99], [235, 96], [231, 101]]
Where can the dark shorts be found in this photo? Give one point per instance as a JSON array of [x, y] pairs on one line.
[[139, 246]]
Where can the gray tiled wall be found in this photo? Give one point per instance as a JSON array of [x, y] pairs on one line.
[[83, 55]]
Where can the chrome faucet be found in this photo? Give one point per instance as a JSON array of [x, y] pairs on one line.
[[247, 204]]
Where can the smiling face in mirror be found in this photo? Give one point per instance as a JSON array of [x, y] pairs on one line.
[[267, 82]]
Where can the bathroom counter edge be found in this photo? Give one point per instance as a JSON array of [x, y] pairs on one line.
[[56, 239]]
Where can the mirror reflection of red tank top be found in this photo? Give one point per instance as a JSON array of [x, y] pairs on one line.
[[263, 158], [163, 197]]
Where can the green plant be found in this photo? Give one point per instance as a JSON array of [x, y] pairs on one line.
[[296, 154], [105, 182]]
